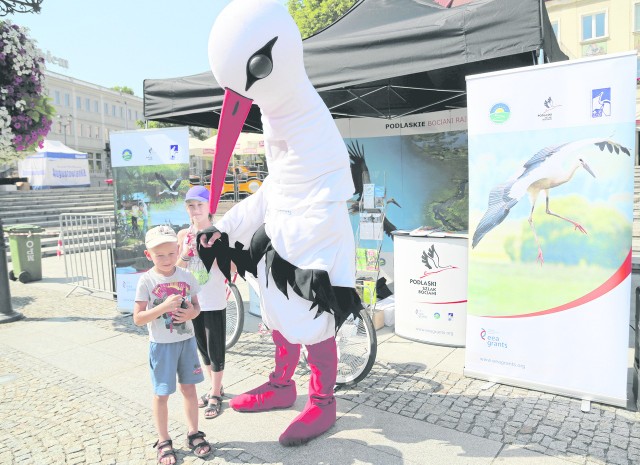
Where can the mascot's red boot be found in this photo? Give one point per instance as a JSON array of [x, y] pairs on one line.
[[280, 390], [320, 412]]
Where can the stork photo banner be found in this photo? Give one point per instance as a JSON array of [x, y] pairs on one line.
[[418, 163], [150, 179], [551, 157]]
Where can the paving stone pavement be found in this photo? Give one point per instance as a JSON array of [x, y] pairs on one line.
[[50, 415]]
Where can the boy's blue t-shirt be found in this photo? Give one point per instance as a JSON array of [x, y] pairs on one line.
[[154, 289]]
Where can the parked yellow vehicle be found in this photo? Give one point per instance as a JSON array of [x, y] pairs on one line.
[[248, 178]]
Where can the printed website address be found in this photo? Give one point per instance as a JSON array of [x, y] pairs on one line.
[[436, 332], [503, 362]]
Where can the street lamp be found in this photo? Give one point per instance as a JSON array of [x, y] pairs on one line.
[[65, 121]]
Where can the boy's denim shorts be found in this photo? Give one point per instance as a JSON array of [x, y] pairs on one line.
[[168, 359]]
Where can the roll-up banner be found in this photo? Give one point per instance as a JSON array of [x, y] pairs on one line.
[[551, 156], [151, 177]]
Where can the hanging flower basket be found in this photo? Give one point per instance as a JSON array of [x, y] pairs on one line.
[[25, 112]]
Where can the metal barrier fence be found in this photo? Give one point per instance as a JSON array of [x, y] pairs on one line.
[[88, 243]]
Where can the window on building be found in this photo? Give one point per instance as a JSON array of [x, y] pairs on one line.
[[106, 109], [594, 26], [129, 114], [121, 113], [81, 130], [79, 103], [113, 110], [137, 118], [59, 131], [67, 100], [98, 162], [636, 17], [87, 104], [56, 97], [96, 106]]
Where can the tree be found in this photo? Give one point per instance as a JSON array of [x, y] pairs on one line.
[[314, 15], [195, 132], [123, 89]]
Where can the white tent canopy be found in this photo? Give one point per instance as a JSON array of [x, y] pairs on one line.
[[55, 165], [248, 144]]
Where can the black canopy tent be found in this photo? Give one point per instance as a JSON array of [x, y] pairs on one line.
[[387, 59]]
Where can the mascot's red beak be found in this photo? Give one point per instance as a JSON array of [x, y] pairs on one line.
[[235, 109]]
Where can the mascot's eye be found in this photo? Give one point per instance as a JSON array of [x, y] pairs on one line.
[[260, 64]]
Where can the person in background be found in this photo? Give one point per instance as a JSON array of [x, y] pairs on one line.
[[135, 213], [144, 213], [166, 302], [210, 325]]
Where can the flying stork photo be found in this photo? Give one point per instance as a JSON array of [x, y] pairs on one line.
[[550, 217], [550, 168]]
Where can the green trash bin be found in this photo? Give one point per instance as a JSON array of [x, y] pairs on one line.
[[26, 254]]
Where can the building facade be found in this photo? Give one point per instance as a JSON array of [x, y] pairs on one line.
[[587, 28], [85, 115]]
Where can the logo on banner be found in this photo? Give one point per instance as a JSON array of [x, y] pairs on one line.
[[127, 155], [173, 152], [499, 113], [492, 339], [449, 316], [601, 102], [546, 115], [436, 316]]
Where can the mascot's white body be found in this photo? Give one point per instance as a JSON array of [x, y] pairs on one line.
[[302, 203]]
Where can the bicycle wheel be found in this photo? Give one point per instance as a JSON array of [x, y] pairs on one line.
[[234, 315], [357, 347]]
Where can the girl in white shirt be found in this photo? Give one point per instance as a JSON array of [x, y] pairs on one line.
[[210, 325]]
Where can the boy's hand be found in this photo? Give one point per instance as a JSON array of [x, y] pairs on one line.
[[172, 303], [185, 313]]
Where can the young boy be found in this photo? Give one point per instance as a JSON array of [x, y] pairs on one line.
[[166, 302]]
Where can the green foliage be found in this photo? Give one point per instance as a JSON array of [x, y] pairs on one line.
[[123, 89], [195, 132], [314, 15], [562, 243]]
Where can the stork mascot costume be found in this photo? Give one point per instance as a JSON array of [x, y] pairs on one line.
[[294, 233]]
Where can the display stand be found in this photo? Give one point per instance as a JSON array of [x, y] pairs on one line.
[[430, 277], [370, 232]]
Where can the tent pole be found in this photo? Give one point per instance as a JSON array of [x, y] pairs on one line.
[[541, 57]]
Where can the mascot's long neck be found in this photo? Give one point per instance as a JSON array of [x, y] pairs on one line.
[[298, 110]]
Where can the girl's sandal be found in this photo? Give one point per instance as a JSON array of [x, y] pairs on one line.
[[213, 410], [203, 400], [197, 447], [165, 450]]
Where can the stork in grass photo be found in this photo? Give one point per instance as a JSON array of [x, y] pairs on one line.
[[551, 167]]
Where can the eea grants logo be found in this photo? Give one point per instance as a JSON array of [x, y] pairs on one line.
[[127, 155]]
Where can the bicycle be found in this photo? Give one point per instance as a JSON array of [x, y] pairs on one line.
[[234, 313], [357, 346]]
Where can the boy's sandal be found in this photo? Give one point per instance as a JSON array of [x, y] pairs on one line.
[[200, 445], [165, 449], [213, 409]]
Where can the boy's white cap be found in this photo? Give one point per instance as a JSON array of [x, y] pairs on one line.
[[160, 235]]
